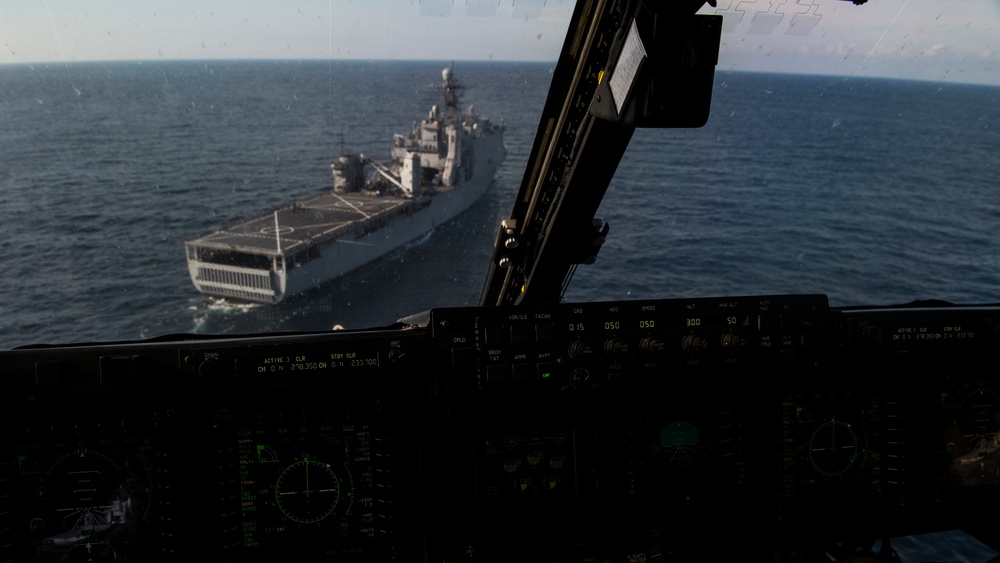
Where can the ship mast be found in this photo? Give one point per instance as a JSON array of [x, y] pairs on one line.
[[450, 86]]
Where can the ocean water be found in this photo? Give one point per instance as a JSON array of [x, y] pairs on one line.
[[873, 192], [870, 191]]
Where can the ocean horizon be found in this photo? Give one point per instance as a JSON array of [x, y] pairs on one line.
[[871, 191]]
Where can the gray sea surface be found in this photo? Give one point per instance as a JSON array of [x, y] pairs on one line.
[[870, 191]]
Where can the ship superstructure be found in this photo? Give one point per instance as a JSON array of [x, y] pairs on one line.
[[436, 171]]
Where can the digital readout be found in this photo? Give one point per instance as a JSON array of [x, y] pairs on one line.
[[932, 333], [319, 361], [650, 323]]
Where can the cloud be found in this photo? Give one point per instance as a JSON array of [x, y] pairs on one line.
[[840, 48], [934, 49]]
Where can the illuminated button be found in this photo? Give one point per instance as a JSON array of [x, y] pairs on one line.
[[494, 374], [493, 334], [521, 372], [518, 333], [546, 373]]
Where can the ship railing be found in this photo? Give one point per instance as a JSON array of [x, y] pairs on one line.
[[234, 281]]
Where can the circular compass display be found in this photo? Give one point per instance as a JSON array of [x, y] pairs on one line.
[[307, 491], [833, 447]]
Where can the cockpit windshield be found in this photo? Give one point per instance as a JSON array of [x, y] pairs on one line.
[[849, 151]]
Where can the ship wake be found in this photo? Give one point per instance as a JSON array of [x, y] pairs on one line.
[[216, 307]]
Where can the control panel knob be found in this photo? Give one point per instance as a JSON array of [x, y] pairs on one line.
[[396, 354], [652, 345], [693, 343], [580, 350], [210, 368], [615, 346], [731, 340], [579, 377]]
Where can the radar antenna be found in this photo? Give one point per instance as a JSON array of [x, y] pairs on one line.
[[449, 86]]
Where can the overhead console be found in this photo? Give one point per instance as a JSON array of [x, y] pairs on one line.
[[566, 432]]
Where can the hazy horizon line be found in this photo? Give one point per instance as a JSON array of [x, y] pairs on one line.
[[832, 75]]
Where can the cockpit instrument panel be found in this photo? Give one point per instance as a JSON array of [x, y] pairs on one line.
[[230, 449], [548, 432]]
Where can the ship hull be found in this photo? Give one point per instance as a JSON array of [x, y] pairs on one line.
[[283, 276], [437, 171], [341, 256]]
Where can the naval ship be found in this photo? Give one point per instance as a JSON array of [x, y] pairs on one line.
[[436, 171]]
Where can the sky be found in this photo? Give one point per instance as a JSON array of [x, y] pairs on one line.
[[954, 40], [947, 40]]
